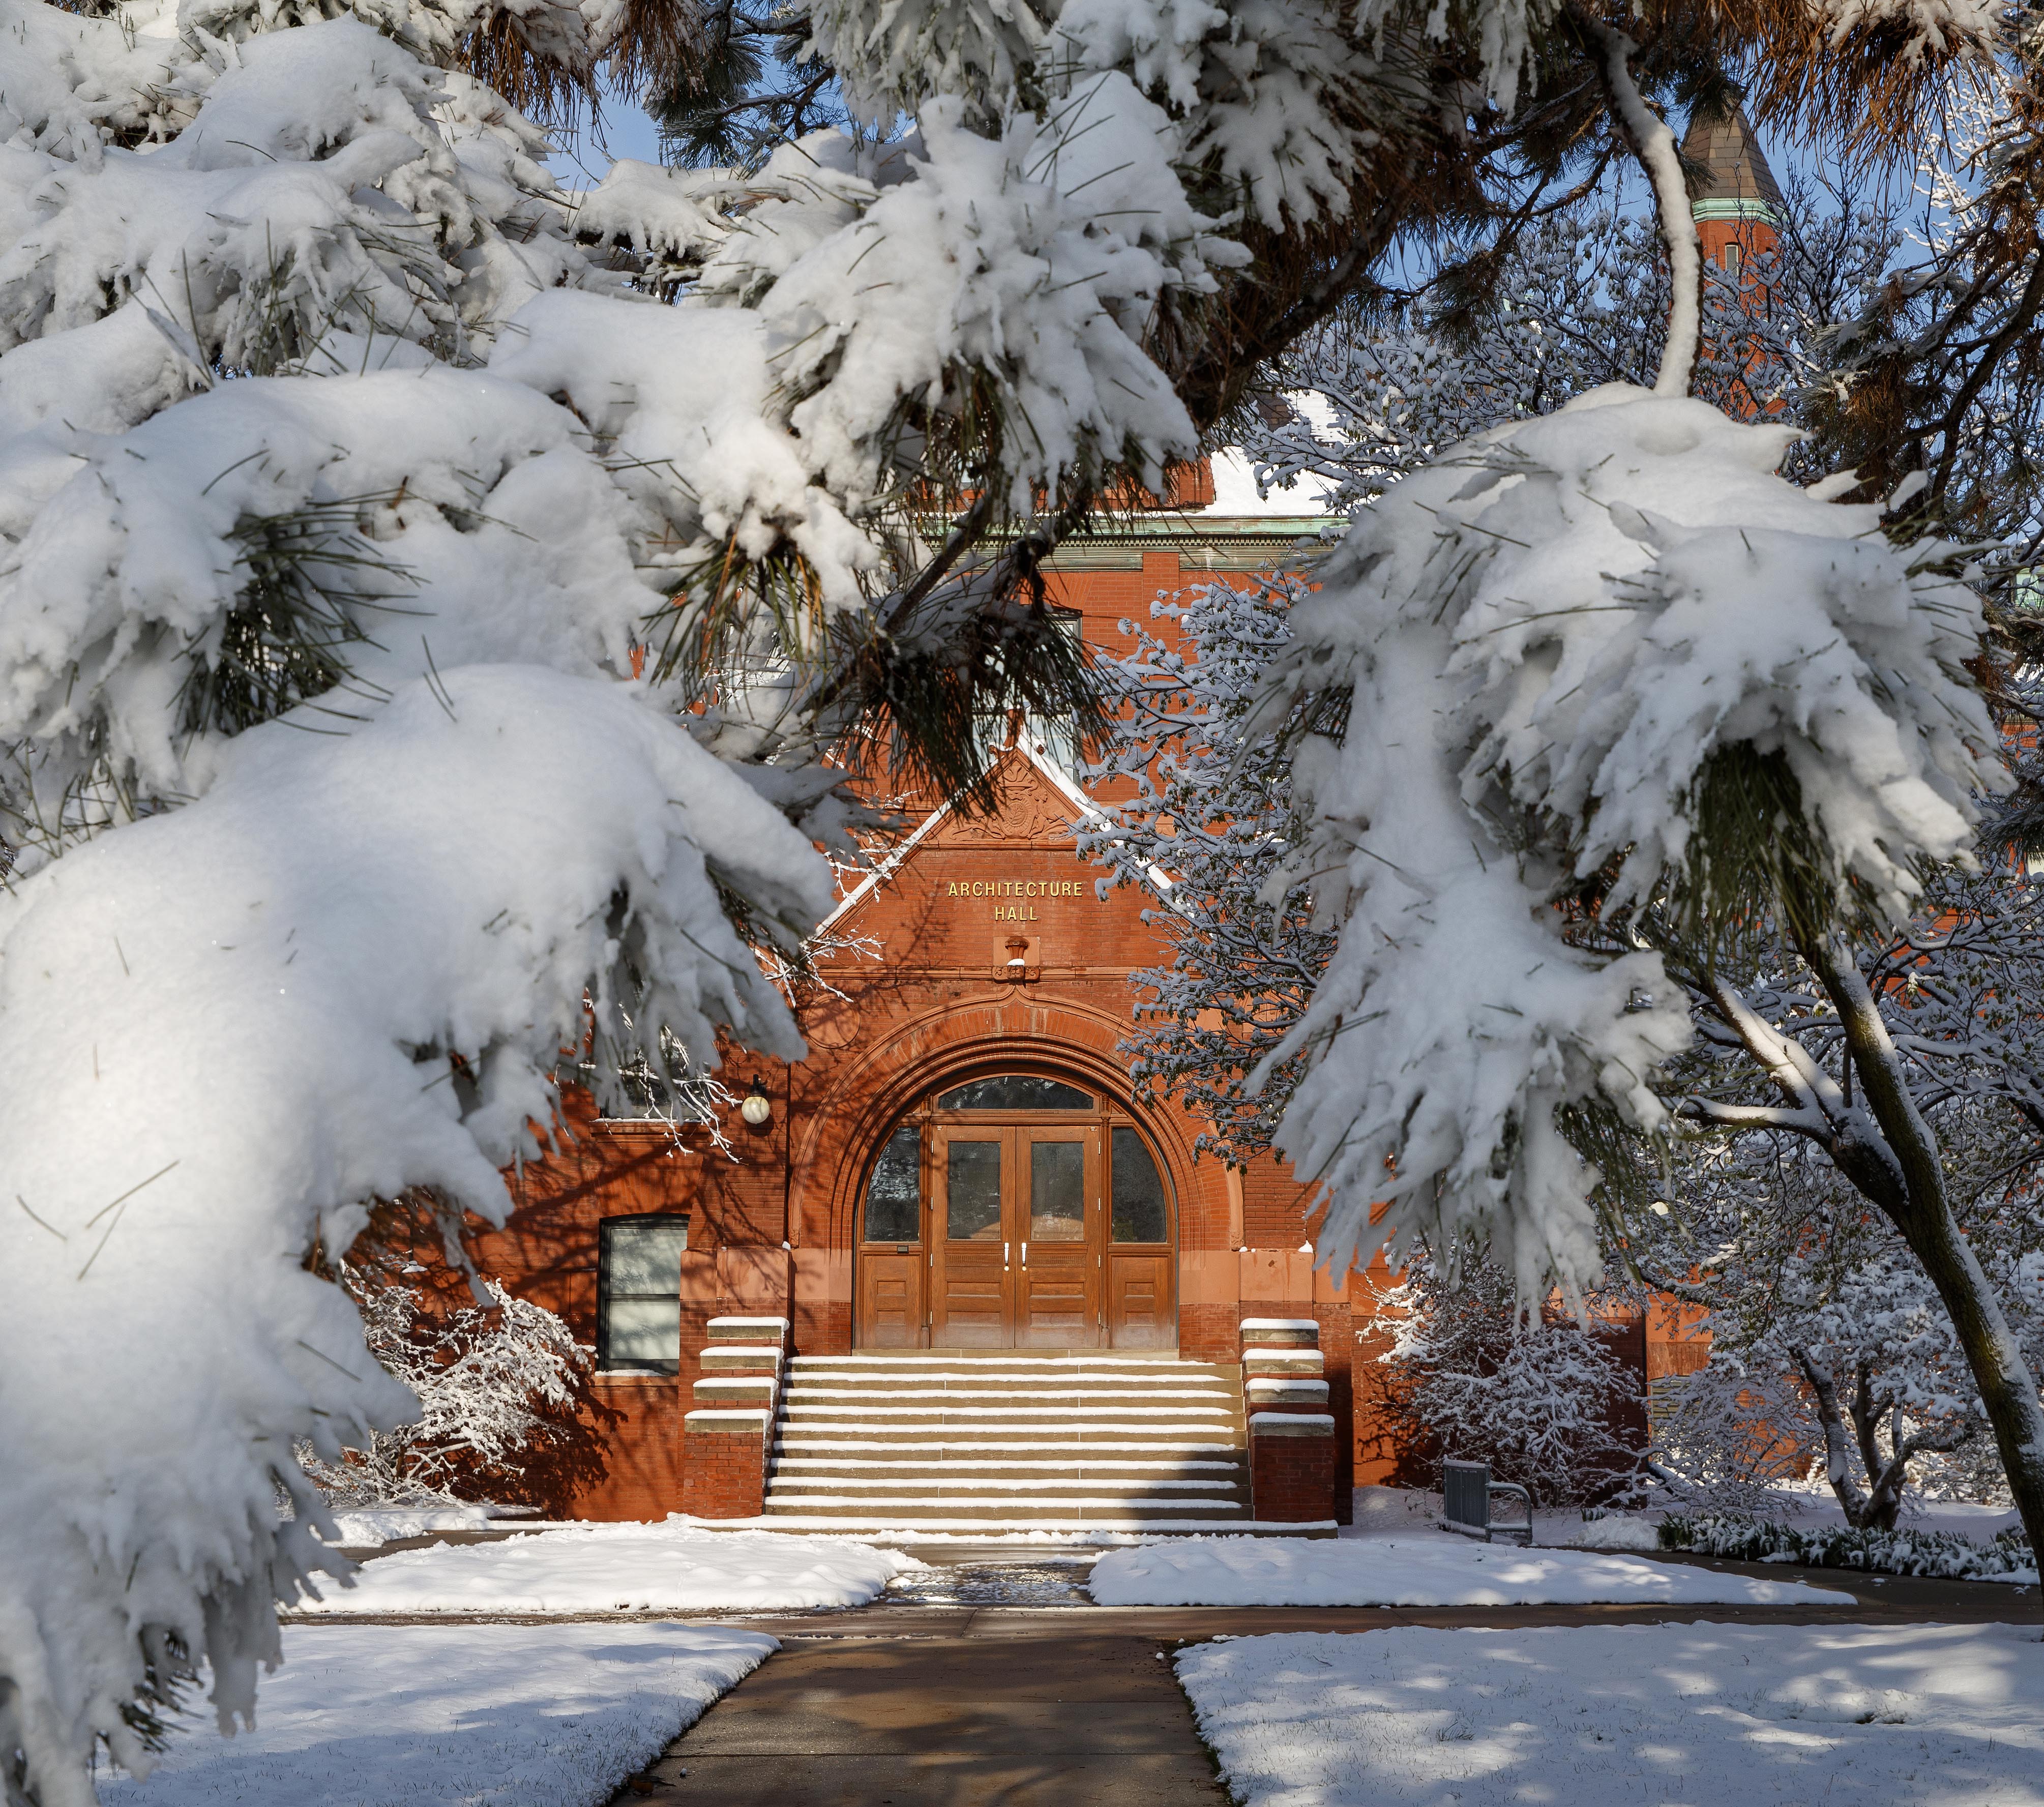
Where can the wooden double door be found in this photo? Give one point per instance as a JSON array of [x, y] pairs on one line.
[[1017, 1254], [1011, 1230]]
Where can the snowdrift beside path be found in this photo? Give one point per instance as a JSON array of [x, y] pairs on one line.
[[367, 1525], [490, 1716], [1273, 1571], [1634, 1714], [622, 1568]]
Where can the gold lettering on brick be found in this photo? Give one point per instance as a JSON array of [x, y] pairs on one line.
[[1008, 889]]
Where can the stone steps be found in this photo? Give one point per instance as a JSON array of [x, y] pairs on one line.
[[973, 1442]]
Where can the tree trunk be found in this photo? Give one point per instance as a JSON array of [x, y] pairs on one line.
[[1919, 1209], [1885, 1480], [1837, 1446]]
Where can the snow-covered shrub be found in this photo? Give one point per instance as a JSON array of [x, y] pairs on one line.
[[503, 1393], [1943, 1553], [1547, 1402]]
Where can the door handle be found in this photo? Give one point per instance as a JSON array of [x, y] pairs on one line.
[[1025, 1254], [1003, 1257]]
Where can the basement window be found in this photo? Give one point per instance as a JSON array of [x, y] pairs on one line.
[[639, 1294]]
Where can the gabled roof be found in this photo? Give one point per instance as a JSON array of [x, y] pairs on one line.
[[1036, 756]]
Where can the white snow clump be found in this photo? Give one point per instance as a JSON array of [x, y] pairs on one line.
[[228, 1026], [1540, 642]]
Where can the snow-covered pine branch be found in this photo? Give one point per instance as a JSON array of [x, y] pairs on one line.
[[348, 969], [1558, 647]]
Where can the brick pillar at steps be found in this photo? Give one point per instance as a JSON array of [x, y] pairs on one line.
[[1292, 1440], [724, 1471], [725, 1440], [1291, 1467]]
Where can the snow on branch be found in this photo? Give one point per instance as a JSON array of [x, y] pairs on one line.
[[1274, 93], [350, 968], [279, 542], [1559, 644], [1653, 144], [503, 1393]]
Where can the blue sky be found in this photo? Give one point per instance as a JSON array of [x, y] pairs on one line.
[[628, 132], [583, 157]]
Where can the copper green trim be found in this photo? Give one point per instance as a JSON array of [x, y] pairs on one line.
[[1735, 207]]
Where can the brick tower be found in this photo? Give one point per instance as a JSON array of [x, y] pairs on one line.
[[1733, 192]]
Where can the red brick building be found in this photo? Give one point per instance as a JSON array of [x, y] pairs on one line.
[[959, 1164], [956, 1273]]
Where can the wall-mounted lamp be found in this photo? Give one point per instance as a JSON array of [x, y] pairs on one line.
[[757, 1108]]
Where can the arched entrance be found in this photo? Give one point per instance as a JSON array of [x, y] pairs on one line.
[[1015, 1210]]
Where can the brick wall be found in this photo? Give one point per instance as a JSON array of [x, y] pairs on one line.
[[1209, 1332], [1273, 1206], [726, 1471]]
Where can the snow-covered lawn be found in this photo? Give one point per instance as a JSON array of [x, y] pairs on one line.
[[1400, 1511], [621, 1568], [1644, 1716], [1441, 1571], [485, 1716]]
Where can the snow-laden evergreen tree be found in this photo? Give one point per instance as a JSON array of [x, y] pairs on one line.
[[437, 612], [1578, 301], [1574, 694], [1608, 666]]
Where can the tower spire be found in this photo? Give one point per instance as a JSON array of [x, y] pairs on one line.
[[1732, 192], [1734, 182]]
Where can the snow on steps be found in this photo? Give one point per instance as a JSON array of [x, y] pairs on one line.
[[953, 1443]]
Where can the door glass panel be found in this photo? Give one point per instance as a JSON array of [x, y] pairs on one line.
[[1056, 1191], [1138, 1191], [972, 1192], [894, 1194], [1015, 1091]]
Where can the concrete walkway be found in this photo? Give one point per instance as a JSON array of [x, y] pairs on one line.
[[966, 1705], [1077, 1720]]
